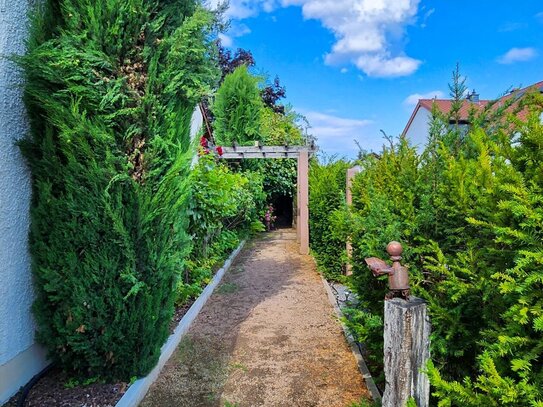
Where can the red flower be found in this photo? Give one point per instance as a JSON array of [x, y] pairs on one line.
[[219, 150], [203, 141]]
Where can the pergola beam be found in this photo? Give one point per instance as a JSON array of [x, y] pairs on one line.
[[240, 152], [302, 154]]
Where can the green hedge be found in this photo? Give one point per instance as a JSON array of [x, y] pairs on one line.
[[224, 207], [468, 211], [327, 184], [110, 88]]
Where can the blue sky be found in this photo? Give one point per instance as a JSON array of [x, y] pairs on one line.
[[355, 67]]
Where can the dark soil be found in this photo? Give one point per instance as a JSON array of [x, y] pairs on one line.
[[179, 314], [52, 389]]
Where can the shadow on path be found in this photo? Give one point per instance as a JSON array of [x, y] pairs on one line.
[[267, 337]]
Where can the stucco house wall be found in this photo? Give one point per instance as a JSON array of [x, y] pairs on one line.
[[417, 132], [20, 357]]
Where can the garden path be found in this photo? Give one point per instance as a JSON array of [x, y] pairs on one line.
[[267, 337]]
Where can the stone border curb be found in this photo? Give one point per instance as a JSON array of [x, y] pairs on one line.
[[137, 391], [370, 384]]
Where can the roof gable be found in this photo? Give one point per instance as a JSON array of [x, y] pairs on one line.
[[444, 105]]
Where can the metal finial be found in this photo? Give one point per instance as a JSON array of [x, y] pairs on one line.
[[398, 278]]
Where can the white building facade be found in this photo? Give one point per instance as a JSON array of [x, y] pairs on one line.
[[20, 357]]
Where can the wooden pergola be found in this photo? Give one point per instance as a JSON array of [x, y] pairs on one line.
[[301, 154]]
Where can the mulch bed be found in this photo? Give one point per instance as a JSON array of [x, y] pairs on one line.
[[51, 390]]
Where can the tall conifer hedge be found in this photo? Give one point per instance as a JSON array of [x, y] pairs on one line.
[[110, 88], [469, 212]]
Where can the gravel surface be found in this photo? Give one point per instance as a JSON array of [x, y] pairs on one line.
[[267, 337]]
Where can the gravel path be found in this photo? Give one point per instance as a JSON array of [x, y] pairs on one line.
[[267, 337]]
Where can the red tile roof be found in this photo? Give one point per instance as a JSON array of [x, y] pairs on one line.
[[444, 105]]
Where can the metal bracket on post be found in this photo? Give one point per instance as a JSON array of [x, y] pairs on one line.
[[406, 335], [398, 278]]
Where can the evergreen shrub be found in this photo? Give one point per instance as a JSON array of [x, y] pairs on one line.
[[237, 109], [110, 88], [468, 211], [327, 184]]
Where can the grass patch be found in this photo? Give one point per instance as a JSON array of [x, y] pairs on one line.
[[238, 270], [227, 288], [240, 366], [365, 403]]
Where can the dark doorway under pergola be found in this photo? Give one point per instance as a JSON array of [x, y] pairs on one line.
[[301, 154]]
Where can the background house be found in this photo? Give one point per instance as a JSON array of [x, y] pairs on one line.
[[417, 127], [20, 357]]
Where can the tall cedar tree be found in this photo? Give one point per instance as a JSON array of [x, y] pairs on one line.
[[110, 88], [237, 108]]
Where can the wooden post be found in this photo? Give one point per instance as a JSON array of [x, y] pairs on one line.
[[406, 351], [298, 229], [351, 172], [303, 201]]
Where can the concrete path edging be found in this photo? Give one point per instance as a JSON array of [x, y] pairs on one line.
[[137, 391], [375, 394]]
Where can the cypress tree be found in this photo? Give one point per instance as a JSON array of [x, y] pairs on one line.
[[238, 108], [110, 88]]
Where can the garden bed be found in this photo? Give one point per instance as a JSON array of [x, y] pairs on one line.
[[54, 388]]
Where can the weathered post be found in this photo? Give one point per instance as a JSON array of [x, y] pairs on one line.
[[406, 335], [351, 172], [303, 201]]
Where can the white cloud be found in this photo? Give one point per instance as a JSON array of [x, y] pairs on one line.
[[239, 30], [511, 26], [344, 70], [426, 17], [240, 9], [365, 32], [368, 32], [413, 99], [236, 30], [383, 65], [517, 55], [336, 135], [226, 40]]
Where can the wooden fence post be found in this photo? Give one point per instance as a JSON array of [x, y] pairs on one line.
[[351, 172], [406, 335], [303, 201], [406, 351]]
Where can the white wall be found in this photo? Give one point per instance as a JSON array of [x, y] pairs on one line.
[[418, 131], [20, 359]]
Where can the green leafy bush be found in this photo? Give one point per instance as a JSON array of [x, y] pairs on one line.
[[279, 175], [110, 88], [241, 117], [224, 205]]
